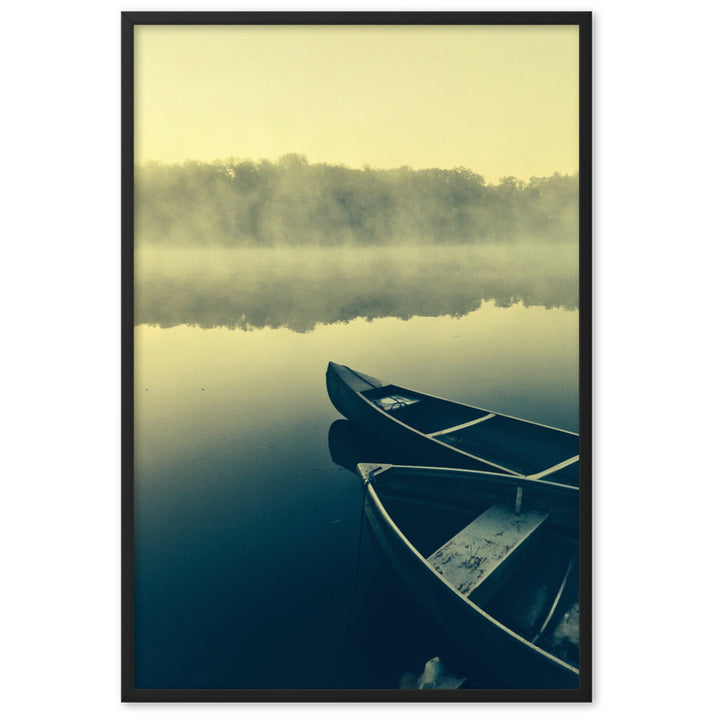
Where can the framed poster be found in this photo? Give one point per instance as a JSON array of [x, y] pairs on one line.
[[356, 356]]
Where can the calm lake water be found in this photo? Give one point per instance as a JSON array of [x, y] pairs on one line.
[[251, 570]]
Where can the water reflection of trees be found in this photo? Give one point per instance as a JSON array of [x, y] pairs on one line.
[[300, 288]]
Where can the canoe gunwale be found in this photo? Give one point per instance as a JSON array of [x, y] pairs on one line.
[[427, 396], [421, 434], [370, 405], [527, 646], [364, 470]]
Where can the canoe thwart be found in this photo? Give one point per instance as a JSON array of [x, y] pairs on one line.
[[455, 428], [478, 559], [555, 468]]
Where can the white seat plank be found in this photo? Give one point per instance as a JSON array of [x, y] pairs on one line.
[[492, 541]]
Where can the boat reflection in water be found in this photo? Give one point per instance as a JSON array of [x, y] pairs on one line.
[[349, 445], [492, 557]]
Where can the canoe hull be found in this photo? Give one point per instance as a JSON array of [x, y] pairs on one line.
[[344, 387], [519, 663]]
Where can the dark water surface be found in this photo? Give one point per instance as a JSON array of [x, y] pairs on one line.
[[250, 568]]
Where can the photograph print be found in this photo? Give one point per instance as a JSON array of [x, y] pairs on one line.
[[356, 356]]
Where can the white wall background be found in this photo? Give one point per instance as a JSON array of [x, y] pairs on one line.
[[656, 477]]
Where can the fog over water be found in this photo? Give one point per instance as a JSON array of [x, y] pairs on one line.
[[301, 287]]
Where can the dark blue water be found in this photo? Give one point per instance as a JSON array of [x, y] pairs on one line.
[[250, 567]]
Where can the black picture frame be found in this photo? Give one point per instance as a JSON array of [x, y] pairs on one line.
[[583, 20]]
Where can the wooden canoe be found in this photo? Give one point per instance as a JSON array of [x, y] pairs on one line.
[[444, 433], [493, 558]]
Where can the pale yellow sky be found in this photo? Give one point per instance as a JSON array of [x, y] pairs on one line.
[[499, 100]]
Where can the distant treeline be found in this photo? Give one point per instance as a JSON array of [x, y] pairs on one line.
[[292, 202]]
